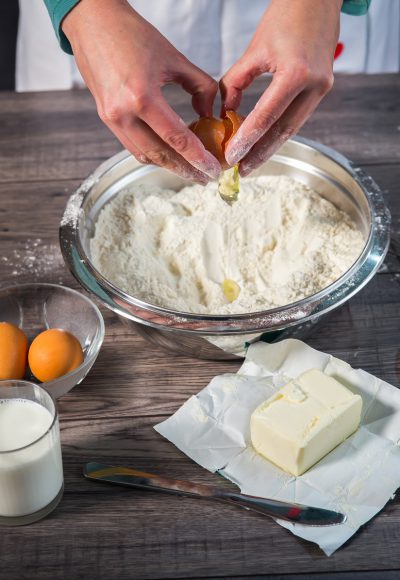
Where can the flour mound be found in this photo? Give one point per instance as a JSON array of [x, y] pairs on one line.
[[171, 248]]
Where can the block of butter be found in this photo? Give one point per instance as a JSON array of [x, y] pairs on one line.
[[304, 421]]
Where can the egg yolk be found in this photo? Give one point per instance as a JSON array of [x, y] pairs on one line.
[[230, 289], [54, 353]]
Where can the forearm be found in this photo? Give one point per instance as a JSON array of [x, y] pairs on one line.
[[91, 27], [69, 15]]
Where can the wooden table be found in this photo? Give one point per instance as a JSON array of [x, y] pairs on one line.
[[48, 143]]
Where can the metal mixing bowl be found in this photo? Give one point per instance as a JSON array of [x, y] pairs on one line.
[[226, 336]]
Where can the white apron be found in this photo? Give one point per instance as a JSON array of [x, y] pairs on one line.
[[210, 33]]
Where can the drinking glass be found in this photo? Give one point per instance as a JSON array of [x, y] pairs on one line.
[[31, 473]]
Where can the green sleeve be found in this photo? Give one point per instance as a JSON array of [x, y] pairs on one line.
[[356, 7], [58, 9]]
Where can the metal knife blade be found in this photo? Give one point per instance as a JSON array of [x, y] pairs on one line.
[[295, 513]]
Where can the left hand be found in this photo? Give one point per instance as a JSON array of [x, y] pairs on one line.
[[125, 62], [295, 41]]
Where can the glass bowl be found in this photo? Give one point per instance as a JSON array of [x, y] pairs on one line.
[[38, 307], [226, 336]]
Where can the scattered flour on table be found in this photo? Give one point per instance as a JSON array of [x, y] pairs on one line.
[[170, 248], [34, 260]]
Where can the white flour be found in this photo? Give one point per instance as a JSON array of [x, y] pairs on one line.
[[170, 248]]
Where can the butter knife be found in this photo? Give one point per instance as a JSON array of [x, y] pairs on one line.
[[292, 512]]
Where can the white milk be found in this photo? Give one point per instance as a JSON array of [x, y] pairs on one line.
[[31, 477]]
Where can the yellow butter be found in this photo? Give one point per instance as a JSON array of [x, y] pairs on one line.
[[304, 421]]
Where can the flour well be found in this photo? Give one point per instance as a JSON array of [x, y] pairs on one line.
[[170, 248]]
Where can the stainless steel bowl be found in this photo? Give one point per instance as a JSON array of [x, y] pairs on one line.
[[226, 336]]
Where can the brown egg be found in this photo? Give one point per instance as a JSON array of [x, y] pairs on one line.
[[54, 353], [215, 134], [13, 351]]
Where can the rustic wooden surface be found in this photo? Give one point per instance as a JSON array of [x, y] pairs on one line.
[[48, 143]]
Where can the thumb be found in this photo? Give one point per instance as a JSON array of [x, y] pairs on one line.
[[235, 80], [201, 86]]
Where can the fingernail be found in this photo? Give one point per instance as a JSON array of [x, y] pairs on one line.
[[236, 151], [213, 171], [235, 155], [190, 174], [199, 178], [232, 157], [241, 144], [211, 168], [214, 175]]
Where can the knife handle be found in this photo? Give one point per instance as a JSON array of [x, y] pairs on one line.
[[290, 512]]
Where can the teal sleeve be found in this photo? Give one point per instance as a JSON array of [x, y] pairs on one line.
[[58, 9], [356, 7]]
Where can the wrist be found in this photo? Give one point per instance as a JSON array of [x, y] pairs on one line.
[[85, 12]]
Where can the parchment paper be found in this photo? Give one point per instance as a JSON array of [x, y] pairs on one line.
[[357, 478]]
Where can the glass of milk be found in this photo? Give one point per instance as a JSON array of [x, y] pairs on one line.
[[31, 473]]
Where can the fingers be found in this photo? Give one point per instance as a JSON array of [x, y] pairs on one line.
[[172, 130], [125, 73], [131, 147], [272, 104], [236, 80], [147, 126], [287, 125], [200, 85], [170, 127], [147, 147]]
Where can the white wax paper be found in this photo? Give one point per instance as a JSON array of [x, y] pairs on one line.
[[357, 478]]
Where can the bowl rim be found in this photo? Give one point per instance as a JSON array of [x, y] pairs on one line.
[[99, 334], [305, 309]]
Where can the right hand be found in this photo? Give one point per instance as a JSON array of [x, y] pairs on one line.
[[125, 62], [295, 40]]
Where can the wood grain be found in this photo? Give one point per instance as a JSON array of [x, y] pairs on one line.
[[48, 143]]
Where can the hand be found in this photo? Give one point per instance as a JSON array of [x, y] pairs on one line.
[[125, 62], [295, 41]]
